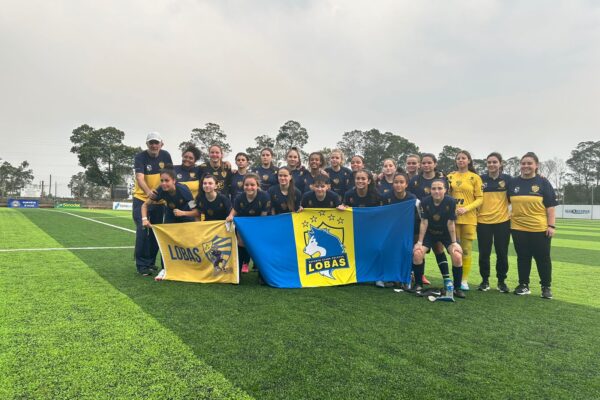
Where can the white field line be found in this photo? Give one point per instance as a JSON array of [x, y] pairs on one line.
[[93, 220], [67, 248]]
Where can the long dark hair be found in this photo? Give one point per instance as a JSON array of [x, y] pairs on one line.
[[470, 166], [437, 173], [372, 194], [531, 154], [291, 196], [499, 157]]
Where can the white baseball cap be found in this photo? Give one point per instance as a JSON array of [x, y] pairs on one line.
[[154, 136]]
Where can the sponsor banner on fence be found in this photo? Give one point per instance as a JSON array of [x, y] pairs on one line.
[[203, 252], [327, 247], [578, 211], [122, 205], [21, 203], [67, 204]]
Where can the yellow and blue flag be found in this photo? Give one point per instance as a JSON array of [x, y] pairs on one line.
[[204, 252], [328, 247]]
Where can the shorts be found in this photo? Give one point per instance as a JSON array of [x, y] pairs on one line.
[[429, 240]]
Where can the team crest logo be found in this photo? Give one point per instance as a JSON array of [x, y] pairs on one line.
[[427, 190], [458, 183], [324, 246], [516, 190], [239, 184], [265, 177], [148, 167], [251, 212], [210, 212], [15, 204], [218, 251], [502, 184], [336, 180], [223, 174], [216, 173], [161, 165], [179, 176], [535, 188], [283, 206], [436, 217], [485, 185], [192, 174]]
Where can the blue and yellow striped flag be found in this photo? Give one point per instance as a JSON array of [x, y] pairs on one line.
[[328, 247]]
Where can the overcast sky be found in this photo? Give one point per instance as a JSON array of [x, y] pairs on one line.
[[508, 76]]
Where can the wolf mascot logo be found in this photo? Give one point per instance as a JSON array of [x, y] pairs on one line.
[[326, 252], [218, 252]]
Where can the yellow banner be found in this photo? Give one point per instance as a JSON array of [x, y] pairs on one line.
[[204, 252], [325, 247]]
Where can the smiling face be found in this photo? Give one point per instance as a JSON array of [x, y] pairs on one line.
[[314, 162], [361, 180], [188, 159], [528, 167], [293, 159], [167, 183], [250, 186], [493, 164], [215, 154], [209, 184], [356, 164], [438, 190]]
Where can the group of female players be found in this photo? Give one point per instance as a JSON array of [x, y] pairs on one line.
[[453, 209]]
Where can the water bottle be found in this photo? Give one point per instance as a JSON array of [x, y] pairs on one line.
[[449, 286]]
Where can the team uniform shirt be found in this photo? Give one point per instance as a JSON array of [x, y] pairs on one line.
[[384, 187], [530, 198], [222, 175], [150, 167], [421, 186], [190, 177], [494, 209], [216, 210], [467, 189], [279, 200], [352, 199], [237, 185], [268, 176], [437, 220], [391, 198], [340, 180], [298, 175], [254, 208], [307, 180], [182, 200], [331, 200]]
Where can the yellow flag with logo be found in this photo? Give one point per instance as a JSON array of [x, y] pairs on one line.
[[203, 252]]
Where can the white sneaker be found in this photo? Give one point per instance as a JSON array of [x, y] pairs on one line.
[[380, 284], [161, 275], [464, 286]]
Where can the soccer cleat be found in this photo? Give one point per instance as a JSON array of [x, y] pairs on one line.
[[522, 289], [418, 289], [244, 268], [546, 293], [484, 286], [153, 268], [426, 281], [503, 288], [380, 284], [464, 286], [459, 293], [146, 272]]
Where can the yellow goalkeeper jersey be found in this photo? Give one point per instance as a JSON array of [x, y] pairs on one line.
[[467, 189]]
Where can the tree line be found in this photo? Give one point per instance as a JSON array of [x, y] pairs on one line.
[[107, 162]]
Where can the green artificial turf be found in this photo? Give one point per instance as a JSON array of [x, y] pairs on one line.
[[323, 343]]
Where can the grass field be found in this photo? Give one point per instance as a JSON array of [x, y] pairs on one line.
[[80, 323]]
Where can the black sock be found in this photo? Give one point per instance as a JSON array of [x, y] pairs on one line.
[[419, 270], [243, 256], [457, 275], [442, 262]]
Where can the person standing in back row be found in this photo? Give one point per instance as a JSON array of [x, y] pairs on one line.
[[147, 166]]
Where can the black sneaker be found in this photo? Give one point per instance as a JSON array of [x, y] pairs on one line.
[[484, 286], [546, 293], [459, 293], [145, 272], [418, 290], [522, 289], [503, 288], [153, 268]]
